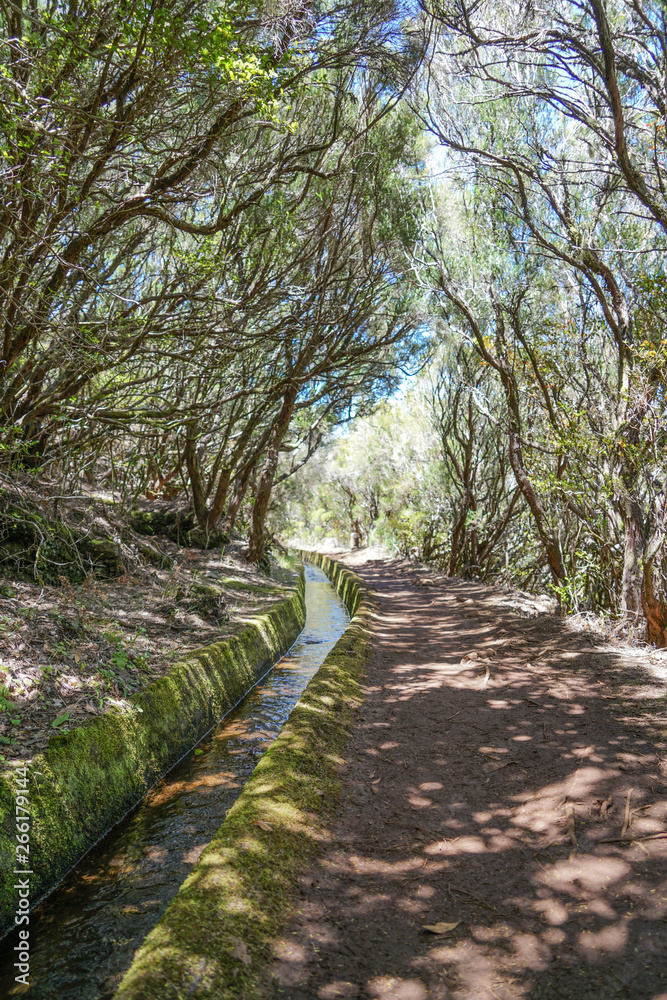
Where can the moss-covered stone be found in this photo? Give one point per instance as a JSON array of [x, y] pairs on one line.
[[103, 552], [163, 519], [35, 547], [88, 778], [215, 936], [206, 599], [178, 524], [211, 538]]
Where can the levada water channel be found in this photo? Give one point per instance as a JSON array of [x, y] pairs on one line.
[[84, 935]]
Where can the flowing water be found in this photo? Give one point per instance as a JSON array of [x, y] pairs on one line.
[[83, 936]]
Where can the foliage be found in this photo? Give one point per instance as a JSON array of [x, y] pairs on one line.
[[225, 238], [204, 218]]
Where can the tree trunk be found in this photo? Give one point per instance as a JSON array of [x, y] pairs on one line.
[[655, 611], [550, 544], [219, 498], [488, 545], [235, 505], [196, 478], [255, 553], [458, 532], [631, 582]]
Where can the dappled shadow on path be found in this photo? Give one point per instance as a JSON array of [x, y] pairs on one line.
[[511, 795]]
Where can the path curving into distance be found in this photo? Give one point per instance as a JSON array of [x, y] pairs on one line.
[[516, 802]]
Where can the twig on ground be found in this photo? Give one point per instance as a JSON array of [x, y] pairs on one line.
[[632, 839], [627, 818], [569, 815], [481, 902]]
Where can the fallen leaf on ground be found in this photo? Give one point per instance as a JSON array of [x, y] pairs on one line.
[[240, 951], [442, 927], [606, 806], [263, 825], [569, 819]]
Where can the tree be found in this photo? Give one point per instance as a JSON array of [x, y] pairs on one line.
[[555, 196]]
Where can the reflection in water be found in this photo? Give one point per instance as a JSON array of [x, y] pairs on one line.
[[84, 936]]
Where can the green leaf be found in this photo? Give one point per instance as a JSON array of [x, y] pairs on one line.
[[197, 752], [59, 721], [5, 739]]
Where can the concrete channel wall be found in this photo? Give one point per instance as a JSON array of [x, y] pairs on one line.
[[89, 778], [215, 937]]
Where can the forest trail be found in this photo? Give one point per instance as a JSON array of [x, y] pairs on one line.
[[490, 794]]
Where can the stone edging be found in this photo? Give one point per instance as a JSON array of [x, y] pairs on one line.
[[89, 778], [215, 937]]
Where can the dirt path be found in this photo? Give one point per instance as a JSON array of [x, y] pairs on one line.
[[490, 794]]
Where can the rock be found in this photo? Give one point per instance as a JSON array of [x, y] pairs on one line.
[[213, 538], [174, 522], [104, 554], [205, 600]]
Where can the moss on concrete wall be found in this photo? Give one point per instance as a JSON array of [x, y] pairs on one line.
[[215, 937], [87, 779]]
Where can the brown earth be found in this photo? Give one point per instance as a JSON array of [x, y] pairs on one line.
[[519, 797]]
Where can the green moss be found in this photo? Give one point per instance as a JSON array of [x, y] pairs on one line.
[[240, 894], [88, 778], [233, 583]]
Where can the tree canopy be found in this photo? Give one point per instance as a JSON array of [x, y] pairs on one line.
[[395, 268]]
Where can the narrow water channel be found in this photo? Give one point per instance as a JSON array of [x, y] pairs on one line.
[[84, 935]]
